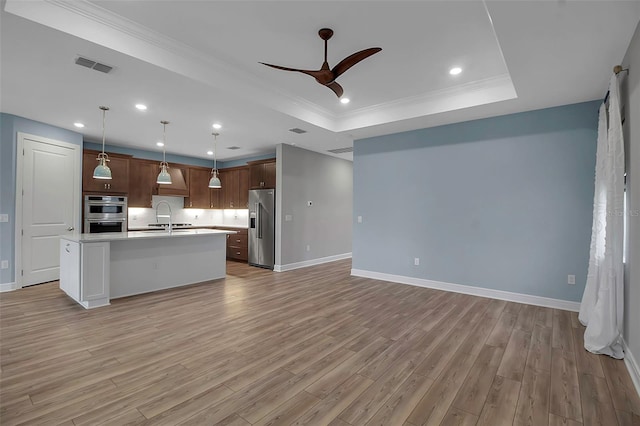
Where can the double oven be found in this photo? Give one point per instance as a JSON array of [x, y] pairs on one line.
[[105, 213]]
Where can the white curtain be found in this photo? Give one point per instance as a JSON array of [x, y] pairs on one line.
[[602, 302]]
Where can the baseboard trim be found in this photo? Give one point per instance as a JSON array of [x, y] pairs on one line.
[[474, 291], [632, 366], [8, 287], [312, 262]]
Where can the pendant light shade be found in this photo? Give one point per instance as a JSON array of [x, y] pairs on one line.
[[102, 171], [164, 178], [214, 182]]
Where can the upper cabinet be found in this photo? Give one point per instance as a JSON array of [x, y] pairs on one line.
[[243, 188], [235, 187], [136, 178], [199, 191], [262, 174], [142, 182], [119, 165]]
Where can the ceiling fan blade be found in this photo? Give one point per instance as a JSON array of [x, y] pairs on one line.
[[351, 60], [312, 73], [337, 89]]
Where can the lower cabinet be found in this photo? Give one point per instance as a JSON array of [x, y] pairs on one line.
[[86, 272], [237, 244]]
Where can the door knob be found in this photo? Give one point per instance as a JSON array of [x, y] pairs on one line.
[[71, 228]]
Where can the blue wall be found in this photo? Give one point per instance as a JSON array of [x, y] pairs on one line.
[[10, 125], [502, 203]]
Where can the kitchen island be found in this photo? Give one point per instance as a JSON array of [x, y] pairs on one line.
[[95, 268]]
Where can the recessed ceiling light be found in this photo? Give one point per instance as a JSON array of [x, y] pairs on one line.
[[217, 126], [141, 107], [455, 70], [78, 124], [209, 152], [160, 143], [345, 100]]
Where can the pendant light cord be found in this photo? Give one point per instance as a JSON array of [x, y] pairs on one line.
[[164, 142], [104, 120], [215, 151]]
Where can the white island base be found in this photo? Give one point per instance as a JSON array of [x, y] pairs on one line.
[[95, 268]]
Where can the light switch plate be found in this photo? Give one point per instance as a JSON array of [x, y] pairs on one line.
[[288, 218], [4, 217], [4, 264]]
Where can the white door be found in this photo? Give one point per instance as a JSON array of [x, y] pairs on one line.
[[50, 204]]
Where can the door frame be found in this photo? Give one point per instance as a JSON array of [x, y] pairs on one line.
[[77, 190]]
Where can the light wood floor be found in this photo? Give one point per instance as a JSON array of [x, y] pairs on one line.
[[313, 346]]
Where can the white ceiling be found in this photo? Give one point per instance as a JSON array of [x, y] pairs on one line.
[[196, 62]]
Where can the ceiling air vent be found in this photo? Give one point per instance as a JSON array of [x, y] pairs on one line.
[[341, 150], [297, 130], [89, 63], [233, 147]]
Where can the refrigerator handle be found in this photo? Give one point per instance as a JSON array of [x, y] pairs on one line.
[[259, 220]]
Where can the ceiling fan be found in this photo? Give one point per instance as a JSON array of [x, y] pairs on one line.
[[325, 75]]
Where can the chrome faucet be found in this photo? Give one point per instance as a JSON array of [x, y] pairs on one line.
[[164, 215]]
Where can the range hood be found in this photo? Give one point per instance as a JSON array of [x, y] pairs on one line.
[[179, 182]]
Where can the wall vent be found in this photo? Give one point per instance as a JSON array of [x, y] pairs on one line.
[[90, 63], [341, 150], [297, 130], [233, 147]]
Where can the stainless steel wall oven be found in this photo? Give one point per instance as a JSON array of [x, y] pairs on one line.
[[105, 213]]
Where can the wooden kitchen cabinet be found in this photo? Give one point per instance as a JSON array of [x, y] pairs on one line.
[[243, 188], [119, 165], [142, 182], [262, 174], [215, 196], [237, 244], [199, 191], [235, 187]]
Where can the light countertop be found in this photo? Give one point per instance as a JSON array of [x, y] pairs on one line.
[[133, 235], [144, 228]]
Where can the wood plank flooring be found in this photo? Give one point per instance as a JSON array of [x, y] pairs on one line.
[[312, 346]]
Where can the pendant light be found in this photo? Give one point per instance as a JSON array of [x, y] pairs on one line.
[[102, 171], [164, 178], [214, 182]]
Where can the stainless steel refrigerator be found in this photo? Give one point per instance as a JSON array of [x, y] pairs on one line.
[[262, 227]]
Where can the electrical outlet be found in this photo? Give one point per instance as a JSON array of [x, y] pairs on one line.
[[4, 218], [359, 219], [288, 218], [308, 247], [4, 264], [416, 261], [571, 279]]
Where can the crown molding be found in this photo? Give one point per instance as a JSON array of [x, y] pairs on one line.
[[493, 89]]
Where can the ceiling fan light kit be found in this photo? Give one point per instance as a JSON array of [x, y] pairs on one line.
[[325, 75]]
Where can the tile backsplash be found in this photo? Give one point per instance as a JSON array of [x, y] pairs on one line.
[[141, 217]]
